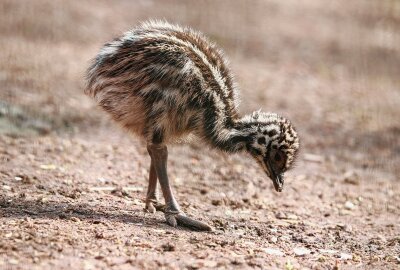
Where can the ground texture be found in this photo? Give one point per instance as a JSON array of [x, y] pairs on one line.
[[72, 183]]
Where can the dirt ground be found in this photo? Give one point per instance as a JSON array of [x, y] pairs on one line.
[[73, 183]]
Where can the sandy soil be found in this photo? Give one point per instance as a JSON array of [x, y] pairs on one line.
[[72, 183]]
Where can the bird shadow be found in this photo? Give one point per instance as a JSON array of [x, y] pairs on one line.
[[11, 207]]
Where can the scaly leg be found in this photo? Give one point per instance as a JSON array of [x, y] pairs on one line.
[[152, 204], [173, 214]]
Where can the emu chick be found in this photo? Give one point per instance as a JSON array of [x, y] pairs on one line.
[[163, 82]]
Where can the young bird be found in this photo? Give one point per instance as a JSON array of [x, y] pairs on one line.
[[163, 82]]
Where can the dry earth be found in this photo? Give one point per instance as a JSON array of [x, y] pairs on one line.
[[72, 183]]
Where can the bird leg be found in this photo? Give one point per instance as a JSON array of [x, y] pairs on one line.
[[173, 214], [152, 204]]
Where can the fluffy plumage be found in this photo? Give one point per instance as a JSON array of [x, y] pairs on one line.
[[163, 82]]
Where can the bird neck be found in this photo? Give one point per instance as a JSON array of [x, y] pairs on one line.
[[233, 137]]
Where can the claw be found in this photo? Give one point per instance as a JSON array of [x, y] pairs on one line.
[[160, 207], [171, 220], [192, 223], [150, 208], [178, 218], [170, 216], [153, 205]]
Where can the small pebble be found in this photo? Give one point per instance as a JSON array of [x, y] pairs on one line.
[[301, 251], [75, 219], [272, 251], [345, 256], [168, 247], [349, 205], [273, 239]]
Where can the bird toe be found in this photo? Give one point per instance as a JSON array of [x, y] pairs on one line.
[[171, 220], [150, 208]]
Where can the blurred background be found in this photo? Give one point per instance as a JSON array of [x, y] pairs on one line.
[[331, 67]]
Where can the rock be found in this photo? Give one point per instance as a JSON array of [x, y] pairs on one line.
[[301, 251], [273, 239], [75, 219], [344, 227], [103, 180], [238, 261], [87, 265], [99, 235], [210, 263], [285, 238], [48, 167], [394, 241], [25, 179], [203, 191], [281, 215], [272, 251], [328, 251], [349, 205], [345, 256], [216, 202], [168, 247], [273, 230], [13, 261], [289, 266], [117, 192], [351, 177]]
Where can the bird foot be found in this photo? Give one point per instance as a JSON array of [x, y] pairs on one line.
[[175, 218], [153, 205]]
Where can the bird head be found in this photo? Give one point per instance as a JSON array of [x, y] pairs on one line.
[[273, 143]]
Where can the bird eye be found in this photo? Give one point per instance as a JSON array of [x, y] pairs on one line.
[[261, 140], [279, 159]]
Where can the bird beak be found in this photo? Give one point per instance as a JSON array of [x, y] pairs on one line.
[[278, 182], [277, 179]]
